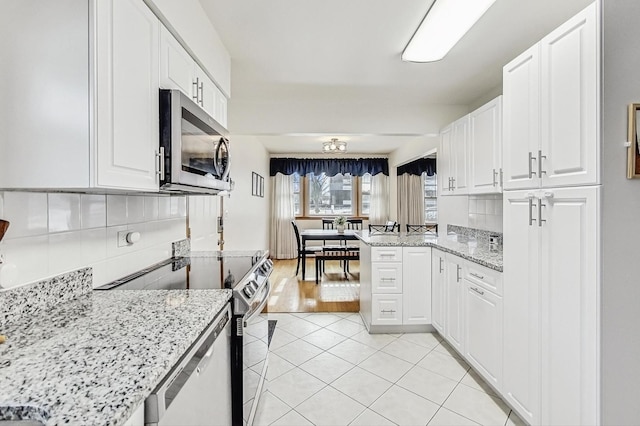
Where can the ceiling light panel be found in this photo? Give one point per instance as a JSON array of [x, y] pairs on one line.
[[445, 24]]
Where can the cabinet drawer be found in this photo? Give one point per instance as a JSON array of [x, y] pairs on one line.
[[386, 309], [386, 254], [488, 278], [386, 277]]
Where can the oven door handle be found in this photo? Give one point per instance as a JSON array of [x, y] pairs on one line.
[[249, 316]]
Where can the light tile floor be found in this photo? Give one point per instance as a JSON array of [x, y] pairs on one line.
[[325, 369]]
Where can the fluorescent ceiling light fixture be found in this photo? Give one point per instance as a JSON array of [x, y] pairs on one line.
[[446, 22]]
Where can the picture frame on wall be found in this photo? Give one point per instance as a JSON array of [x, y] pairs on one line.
[[257, 185]]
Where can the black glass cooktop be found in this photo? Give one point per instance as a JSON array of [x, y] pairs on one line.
[[210, 270]]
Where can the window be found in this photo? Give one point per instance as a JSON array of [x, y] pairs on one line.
[[340, 195], [329, 195], [296, 194], [430, 198], [365, 194]]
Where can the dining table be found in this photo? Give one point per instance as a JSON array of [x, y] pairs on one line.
[[323, 235]]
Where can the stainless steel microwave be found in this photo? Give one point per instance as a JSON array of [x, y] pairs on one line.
[[193, 149]]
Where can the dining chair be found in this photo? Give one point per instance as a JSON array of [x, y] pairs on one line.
[[307, 250], [354, 224], [422, 229], [390, 226]]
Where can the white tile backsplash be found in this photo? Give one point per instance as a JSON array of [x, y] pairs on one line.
[[116, 210], [485, 212], [57, 232], [27, 212], [135, 209], [93, 211], [64, 212]]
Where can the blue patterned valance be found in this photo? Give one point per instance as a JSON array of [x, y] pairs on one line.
[[330, 166], [418, 167]]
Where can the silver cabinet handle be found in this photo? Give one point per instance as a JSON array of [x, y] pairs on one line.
[[540, 206], [531, 159], [473, 274], [195, 90], [201, 94], [531, 206], [390, 311], [387, 255], [501, 177], [160, 156], [540, 157], [441, 262], [458, 269], [383, 279], [480, 292], [495, 175], [453, 184]]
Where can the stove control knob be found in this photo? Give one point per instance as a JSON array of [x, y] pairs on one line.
[[254, 285], [248, 291]]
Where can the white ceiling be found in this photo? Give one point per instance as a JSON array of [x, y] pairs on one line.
[[319, 51]]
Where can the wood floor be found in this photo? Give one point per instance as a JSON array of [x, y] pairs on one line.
[[333, 294]]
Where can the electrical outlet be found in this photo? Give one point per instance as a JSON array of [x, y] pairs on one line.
[[128, 238]]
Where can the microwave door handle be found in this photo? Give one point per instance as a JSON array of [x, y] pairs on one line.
[[224, 173]]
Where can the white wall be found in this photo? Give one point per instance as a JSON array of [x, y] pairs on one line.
[[203, 222], [620, 293], [247, 217], [55, 233]]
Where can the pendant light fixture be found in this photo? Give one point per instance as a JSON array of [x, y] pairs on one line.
[[446, 22]]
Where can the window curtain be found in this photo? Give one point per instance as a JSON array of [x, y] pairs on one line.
[[330, 166], [379, 207], [410, 200], [282, 243], [418, 167]]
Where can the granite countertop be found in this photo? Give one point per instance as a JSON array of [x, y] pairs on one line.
[[470, 249], [94, 360]]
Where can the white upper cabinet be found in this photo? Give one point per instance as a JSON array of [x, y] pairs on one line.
[[127, 106], [444, 160], [486, 148], [569, 103], [551, 109], [453, 158], [178, 70], [96, 119], [521, 118]]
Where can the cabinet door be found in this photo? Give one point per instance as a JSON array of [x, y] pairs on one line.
[[416, 285], [444, 160], [176, 65], [569, 300], [460, 149], [206, 92], [127, 95], [386, 309], [386, 277], [486, 148], [483, 332], [454, 322], [221, 108], [521, 120], [569, 99], [438, 290], [521, 360]]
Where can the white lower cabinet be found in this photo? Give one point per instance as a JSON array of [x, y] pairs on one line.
[[416, 291], [454, 297], [386, 309], [438, 278], [551, 304], [395, 288], [483, 329]]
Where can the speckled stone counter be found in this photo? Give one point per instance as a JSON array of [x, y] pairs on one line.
[[93, 360], [475, 251]]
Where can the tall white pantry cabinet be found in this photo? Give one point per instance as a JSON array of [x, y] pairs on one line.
[[551, 226]]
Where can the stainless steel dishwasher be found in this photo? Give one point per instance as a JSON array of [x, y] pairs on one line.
[[197, 391]]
